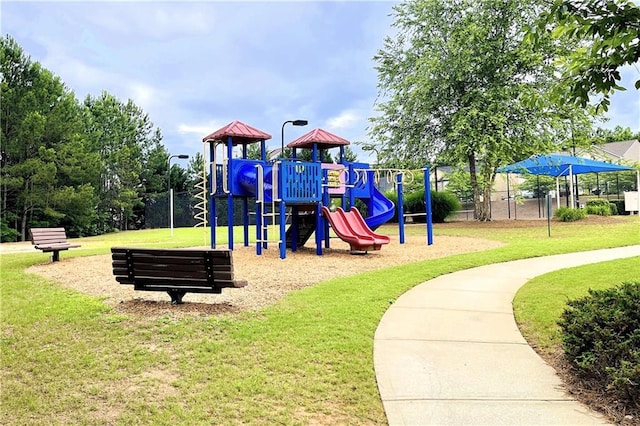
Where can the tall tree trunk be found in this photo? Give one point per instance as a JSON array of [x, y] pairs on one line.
[[486, 204], [23, 224], [474, 186]]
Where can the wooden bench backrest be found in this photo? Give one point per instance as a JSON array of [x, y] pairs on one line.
[[162, 267], [44, 236]]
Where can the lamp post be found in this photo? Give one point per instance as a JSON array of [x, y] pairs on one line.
[[182, 157], [295, 123]]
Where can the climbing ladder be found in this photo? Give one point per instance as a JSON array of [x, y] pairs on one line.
[[201, 206]]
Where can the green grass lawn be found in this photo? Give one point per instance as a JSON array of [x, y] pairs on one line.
[[67, 358], [538, 304]]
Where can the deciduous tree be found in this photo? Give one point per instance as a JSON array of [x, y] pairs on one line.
[[457, 84]]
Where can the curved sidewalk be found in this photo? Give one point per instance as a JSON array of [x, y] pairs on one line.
[[449, 352]]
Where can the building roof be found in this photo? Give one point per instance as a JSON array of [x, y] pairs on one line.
[[320, 137], [240, 133], [620, 149], [626, 151]]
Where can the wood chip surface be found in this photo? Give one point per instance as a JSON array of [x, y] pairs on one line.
[[269, 277]]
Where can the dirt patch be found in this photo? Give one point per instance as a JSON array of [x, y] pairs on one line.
[[270, 278]]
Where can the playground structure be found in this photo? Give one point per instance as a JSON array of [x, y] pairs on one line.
[[305, 189]]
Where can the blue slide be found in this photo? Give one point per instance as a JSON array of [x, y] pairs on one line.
[[381, 209], [247, 177]]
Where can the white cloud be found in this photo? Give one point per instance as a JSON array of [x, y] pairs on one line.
[[142, 94], [201, 130], [346, 119]]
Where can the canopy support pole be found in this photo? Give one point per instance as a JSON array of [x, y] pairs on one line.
[[558, 192], [573, 205], [638, 189]]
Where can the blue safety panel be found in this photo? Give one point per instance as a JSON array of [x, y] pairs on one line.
[[219, 177], [300, 182], [362, 187]]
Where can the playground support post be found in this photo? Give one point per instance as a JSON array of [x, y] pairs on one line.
[[283, 229], [326, 201], [259, 209], [427, 200], [245, 220], [212, 190], [229, 194], [351, 183], [400, 207]]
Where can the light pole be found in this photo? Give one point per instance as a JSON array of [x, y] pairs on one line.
[[295, 123], [182, 157]]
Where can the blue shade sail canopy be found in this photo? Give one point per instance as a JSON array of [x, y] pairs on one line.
[[560, 165]]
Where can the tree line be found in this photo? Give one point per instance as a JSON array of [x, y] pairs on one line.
[[91, 166], [85, 165]]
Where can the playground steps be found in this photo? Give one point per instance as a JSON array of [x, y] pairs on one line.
[[306, 227]]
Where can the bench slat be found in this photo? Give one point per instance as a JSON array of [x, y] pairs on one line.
[[177, 262], [215, 254], [171, 273], [57, 246], [174, 283], [122, 263]]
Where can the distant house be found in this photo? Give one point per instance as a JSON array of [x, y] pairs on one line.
[[619, 152]]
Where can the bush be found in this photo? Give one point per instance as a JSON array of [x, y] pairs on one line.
[[414, 203], [567, 214], [599, 207], [619, 207], [8, 235], [613, 207], [443, 204], [601, 337]]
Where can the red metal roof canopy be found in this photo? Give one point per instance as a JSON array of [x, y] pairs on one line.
[[318, 136], [241, 134]]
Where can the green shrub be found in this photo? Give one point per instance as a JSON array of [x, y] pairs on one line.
[[8, 235], [414, 203], [601, 337], [613, 207], [598, 206], [443, 204], [619, 207], [567, 214]]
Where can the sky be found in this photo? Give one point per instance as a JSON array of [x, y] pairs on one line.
[[197, 66]]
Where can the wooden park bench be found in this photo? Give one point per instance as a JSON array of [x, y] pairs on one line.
[[51, 240], [175, 271]]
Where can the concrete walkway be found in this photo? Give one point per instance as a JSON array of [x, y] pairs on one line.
[[448, 352]]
